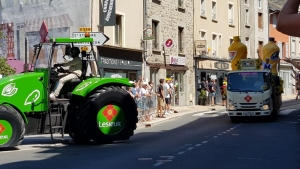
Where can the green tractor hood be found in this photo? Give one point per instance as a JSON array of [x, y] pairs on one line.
[[87, 86], [25, 92]]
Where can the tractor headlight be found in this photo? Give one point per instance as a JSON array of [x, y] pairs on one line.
[[230, 105], [266, 104]]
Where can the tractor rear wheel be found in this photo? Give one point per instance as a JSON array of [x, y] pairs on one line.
[[12, 127], [109, 114]]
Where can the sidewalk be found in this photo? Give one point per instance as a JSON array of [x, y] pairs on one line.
[[193, 109]]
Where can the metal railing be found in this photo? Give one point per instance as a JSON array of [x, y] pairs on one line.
[[146, 108]]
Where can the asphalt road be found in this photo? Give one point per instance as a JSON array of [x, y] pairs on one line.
[[198, 140]]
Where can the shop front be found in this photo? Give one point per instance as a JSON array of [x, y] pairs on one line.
[[116, 62], [177, 71], [211, 69]]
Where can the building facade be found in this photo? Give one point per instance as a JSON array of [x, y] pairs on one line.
[[170, 52], [216, 23], [122, 55], [254, 25], [283, 41]]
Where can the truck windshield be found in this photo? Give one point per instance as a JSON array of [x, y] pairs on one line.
[[248, 82]]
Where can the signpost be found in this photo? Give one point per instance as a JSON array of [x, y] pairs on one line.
[[169, 43], [99, 38]]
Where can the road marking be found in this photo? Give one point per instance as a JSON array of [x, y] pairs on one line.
[[191, 148], [198, 145], [286, 112], [158, 164], [181, 152], [215, 136], [199, 114], [203, 142], [143, 159]]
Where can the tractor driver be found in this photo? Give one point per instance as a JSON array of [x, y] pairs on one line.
[[74, 72]]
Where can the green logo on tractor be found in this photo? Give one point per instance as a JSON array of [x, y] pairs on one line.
[[5, 132], [110, 119]]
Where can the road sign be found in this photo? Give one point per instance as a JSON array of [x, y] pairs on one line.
[[169, 43], [99, 38], [85, 29]]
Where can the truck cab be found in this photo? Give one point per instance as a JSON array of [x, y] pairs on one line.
[[250, 92]]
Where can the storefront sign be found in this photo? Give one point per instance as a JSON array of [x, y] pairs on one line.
[[210, 64], [221, 65], [175, 60], [117, 62]]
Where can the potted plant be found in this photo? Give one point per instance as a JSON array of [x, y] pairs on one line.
[[202, 97]]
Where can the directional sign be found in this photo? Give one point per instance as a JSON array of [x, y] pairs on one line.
[[99, 38]]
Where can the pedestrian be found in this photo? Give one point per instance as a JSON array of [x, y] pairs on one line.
[[160, 99], [288, 17], [212, 92], [167, 89], [224, 92], [74, 72]]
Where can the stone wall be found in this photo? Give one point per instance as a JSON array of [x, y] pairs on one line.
[[170, 17]]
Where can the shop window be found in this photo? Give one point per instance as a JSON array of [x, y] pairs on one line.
[[180, 39], [118, 31], [155, 32]]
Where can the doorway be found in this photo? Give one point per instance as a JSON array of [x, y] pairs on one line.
[[179, 82]]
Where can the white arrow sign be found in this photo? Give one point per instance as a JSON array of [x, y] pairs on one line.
[[99, 38]]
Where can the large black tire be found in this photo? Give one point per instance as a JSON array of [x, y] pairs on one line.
[[87, 114], [16, 121]]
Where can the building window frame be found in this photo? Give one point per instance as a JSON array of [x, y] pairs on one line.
[[119, 31], [155, 33], [180, 39], [230, 13], [214, 10], [203, 8], [259, 4]]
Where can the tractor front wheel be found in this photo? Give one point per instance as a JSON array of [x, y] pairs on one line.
[[12, 127], [109, 114]]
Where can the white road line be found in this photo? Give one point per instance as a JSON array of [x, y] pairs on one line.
[[286, 112], [158, 164], [215, 136], [203, 142], [182, 152], [198, 145], [191, 148], [144, 159], [199, 114]]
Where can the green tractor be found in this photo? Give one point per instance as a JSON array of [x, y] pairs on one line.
[[89, 108]]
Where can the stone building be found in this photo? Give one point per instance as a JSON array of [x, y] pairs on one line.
[[170, 54], [254, 28]]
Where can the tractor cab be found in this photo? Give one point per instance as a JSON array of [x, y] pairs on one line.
[[54, 56]]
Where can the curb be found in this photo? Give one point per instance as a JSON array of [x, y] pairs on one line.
[[172, 116]]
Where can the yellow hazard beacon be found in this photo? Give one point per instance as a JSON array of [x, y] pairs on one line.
[[254, 87]]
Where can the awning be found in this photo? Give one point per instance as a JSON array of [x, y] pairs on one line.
[[60, 21]]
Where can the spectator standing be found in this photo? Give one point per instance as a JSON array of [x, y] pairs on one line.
[[160, 99], [129, 90], [212, 91], [224, 92], [167, 90]]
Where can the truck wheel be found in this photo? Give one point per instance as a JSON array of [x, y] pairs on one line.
[[12, 127], [110, 113]]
